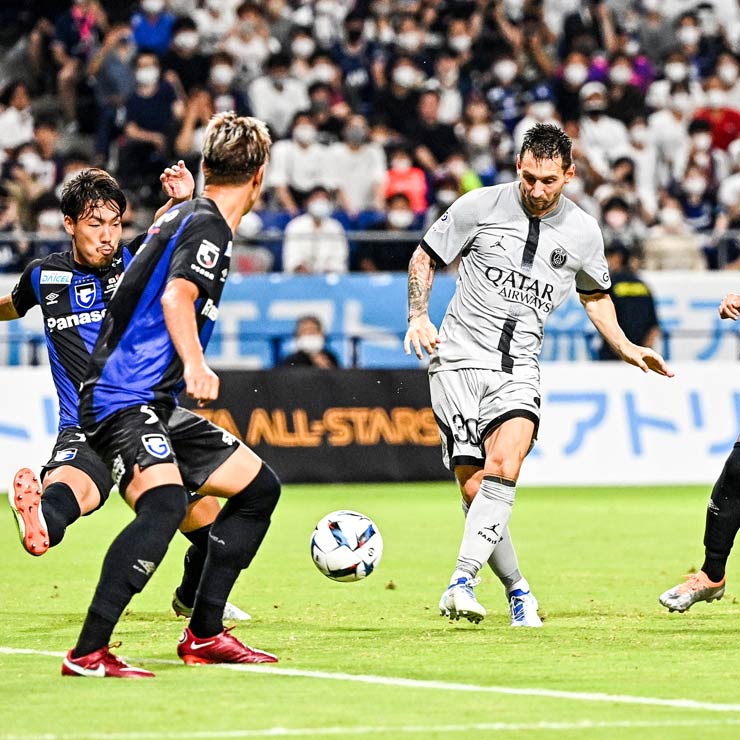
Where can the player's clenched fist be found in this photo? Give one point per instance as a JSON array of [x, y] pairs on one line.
[[421, 333], [730, 306], [201, 383]]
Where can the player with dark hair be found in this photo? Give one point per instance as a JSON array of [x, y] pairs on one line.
[[722, 520], [73, 289], [152, 345], [522, 246]]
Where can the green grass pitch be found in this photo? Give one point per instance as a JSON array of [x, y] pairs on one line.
[[596, 558]]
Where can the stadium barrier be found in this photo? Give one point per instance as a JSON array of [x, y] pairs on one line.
[[602, 424]]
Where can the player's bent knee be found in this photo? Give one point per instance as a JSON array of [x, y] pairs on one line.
[[263, 493], [168, 501]]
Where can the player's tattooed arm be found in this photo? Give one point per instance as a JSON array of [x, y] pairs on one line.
[[421, 277], [421, 332]]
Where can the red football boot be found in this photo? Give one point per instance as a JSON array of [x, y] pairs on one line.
[[101, 664], [25, 501], [221, 648]]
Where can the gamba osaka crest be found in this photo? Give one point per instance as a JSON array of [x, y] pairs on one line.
[[85, 294], [156, 445], [207, 255]]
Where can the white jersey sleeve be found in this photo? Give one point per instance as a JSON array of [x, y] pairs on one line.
[[455, 228], [593, 277]]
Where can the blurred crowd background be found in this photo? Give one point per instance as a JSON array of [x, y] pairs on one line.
[[383, 112]]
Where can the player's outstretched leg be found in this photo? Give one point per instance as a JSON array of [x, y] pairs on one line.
[[196, 526], [101, 664], [722, 524], [236, 535]]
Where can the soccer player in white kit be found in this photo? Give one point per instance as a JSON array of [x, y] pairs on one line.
[[522, 246]]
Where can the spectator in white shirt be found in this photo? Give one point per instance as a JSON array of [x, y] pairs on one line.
[[16, 121], [359, 169], [276, 97], [315, 242], [298, 165]]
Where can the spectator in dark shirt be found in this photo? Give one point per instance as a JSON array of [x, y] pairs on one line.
[[395, 103], [434, 141], [393, 253], [183, 63], [633, 303], [151, 113], [310, 346]]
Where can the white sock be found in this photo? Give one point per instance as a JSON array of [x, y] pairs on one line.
[[520, 585], [487, 518], [503, 561]]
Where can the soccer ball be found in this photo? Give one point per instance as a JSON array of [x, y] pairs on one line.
[[346, 546]]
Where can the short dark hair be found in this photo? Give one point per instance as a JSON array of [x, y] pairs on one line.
[[546, 141], [91, 189]]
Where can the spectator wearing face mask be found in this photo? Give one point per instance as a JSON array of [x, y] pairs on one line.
[[396, 101], [703, 155], [249, 41], [723, 120], [655, 30], [434, 140], [644, 155], [621, 226], [445, 194], [328, 111], [540, 109], [728, 72], [504, 92], [275, 97], [603, 138], [184, 58], [309, 344], [359, 170], [16, 120], [222, 88], [699, 47], [152, 26], [676, 74], [315, 242], [214, 21], [360, 62], [450, 89], [392, 253], [298, 165], [625, 100], [698, 202], [481, 137], [403, 178], [672, 244], [574, 75]]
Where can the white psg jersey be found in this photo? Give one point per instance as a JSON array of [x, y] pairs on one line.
[[515, 270]]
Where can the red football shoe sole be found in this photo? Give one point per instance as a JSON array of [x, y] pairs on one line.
[[25, 501]]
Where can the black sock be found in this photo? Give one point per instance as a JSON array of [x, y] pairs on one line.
[[195, 558], [723, 518], [235, 537], [59, 508], [130, 561]]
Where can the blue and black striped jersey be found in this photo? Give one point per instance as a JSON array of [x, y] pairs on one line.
[[134, 361], [73, 300]]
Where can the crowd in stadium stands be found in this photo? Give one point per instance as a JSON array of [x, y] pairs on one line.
[[383, 112]]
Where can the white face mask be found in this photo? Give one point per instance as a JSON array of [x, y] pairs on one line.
[[319, 208], [505, 70], [405, 76], [652, 6], [249, 226], [616, 219], [727, 73], [215, 5], [671, 217], [311, 344], [303, 47], [222, 74], [479, 135], [304, 134], [689, 35], [702, 159], [681, 102], [409, 40], [632, 48], [640, 134], [146, 76], [716, 98], [457, 168], [676, 71], [323, 73], [401, 164], [51, 221], [620, 75], [542, 110], [446, 197], [400, 218], [152, 7], [186, 40], [695, 185], [460, 44], [702, 141], [31, 162], [449, 78], [575, 74]]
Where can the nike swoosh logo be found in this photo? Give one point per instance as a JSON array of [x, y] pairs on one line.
[[198, 646], [98, 672]]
